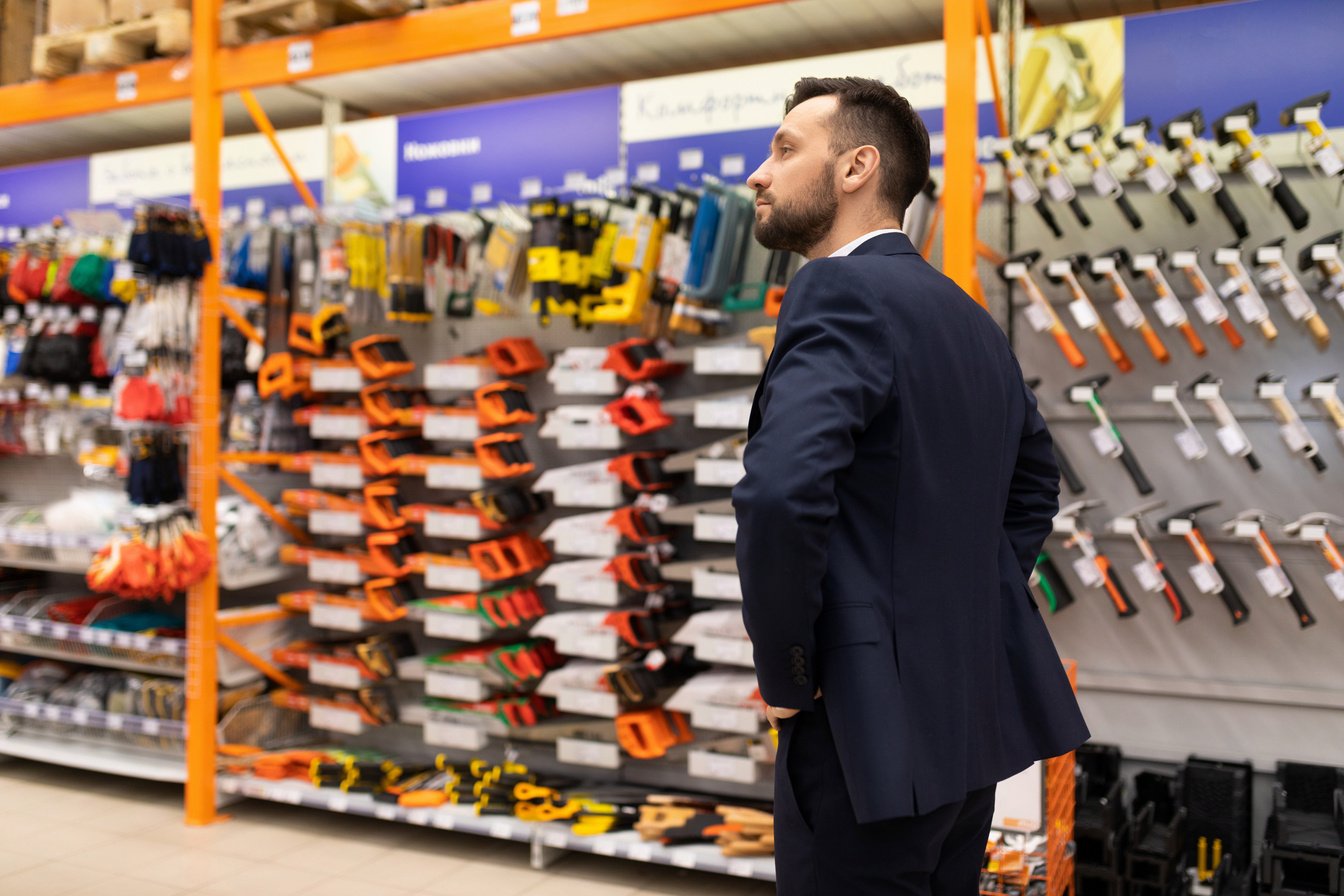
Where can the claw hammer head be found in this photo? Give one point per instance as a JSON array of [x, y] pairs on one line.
[[1288, 117], [1095, 383], [1249, 111], [1315, 518], [1191, 512]]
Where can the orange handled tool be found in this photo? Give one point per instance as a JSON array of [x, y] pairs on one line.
[[1040, 314]]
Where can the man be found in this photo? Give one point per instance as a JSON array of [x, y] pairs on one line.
[[899, 485]]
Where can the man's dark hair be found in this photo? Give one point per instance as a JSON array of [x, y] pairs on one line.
[[872, 113]]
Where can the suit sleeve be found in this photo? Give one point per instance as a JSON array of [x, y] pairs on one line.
[[831, 373], [1033, 493]]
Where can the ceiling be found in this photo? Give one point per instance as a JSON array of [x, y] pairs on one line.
[[787, 30]]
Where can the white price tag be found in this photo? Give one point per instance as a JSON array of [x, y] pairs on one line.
[[300, 57], [453, 577], [685, 860], [1037, 317], [602, 592], [1149, 577], [455, 735], [716, 585], [691, 159], [1191, 444], [1330, 160], [729, 360], [570, 7], [79, 716], [594, 753], [647, 172], [501, 830], [1261, 171], [588, 437], [1158, 179], [1083, 314], [335, 522], [345, 619], [529, 187], [1336, 582], [732, 166], [1251, 307], [726, 718], [335, 570], [1129, 312], [128, 86], [336, 675], [1170, 312], [602, 645], [716, 527], [640, 852], [1298, 305], [722, 767], [405, 206], [525, 18], [337, 378], [1274, 581], [331, 718], [384, 812], [588, 493], [1105, 442], [456, 377], [1023, 190], [451, 427], [585, 382], [328, 615], [1086, 570], [481, 193], [732, 651], [51, 713], [587, 543], [436, 197], [1295, 436], [1105, 183], [466, 477], [1233, 441], [1059, 188], [329, 475], [1206, 577], [716, 472], [587, 703], [463, 526], [722, 414], [454, 626], [1203, 177], [451, 686]]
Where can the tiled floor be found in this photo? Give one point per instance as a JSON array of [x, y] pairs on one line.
[[71, 833]]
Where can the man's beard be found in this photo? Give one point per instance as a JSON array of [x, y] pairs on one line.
[[803, 223]]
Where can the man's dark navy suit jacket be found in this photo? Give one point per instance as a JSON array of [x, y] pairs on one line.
[[900, 482]]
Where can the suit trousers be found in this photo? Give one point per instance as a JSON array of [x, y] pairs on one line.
[[821, 850]]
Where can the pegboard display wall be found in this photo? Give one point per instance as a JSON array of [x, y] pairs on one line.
[[1265, 689]]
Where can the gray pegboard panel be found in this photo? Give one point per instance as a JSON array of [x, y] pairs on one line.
[[1264, 690]]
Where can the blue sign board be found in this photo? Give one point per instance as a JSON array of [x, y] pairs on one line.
[[508, 151]]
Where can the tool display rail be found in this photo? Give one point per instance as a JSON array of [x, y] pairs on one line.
[[47, 551], [93, 719], [546, 840], [105, 758], [94, 646]]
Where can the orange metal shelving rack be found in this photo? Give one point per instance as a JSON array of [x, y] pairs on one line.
[[211, 72]]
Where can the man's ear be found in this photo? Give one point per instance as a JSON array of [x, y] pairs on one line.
[[860, 168]]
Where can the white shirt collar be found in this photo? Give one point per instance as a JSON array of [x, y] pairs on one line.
[[854, 244]]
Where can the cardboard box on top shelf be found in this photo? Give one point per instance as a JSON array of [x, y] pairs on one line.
[[18, 26], [66, 16], [130, 10]]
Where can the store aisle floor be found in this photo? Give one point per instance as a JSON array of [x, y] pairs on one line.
[[73, 833]]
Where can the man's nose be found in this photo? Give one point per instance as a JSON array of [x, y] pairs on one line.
[[760, 178]]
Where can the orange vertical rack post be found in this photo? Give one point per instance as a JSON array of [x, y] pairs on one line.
[[959, 132], [207, 132]]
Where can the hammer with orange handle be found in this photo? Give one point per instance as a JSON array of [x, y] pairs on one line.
[[1207, 573], [1273, 577], [1065, 271], [1107, 267], [1314, 528], [1167, 306], [1042, 316]]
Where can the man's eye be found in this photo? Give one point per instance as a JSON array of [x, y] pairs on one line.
[[785, 150]]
